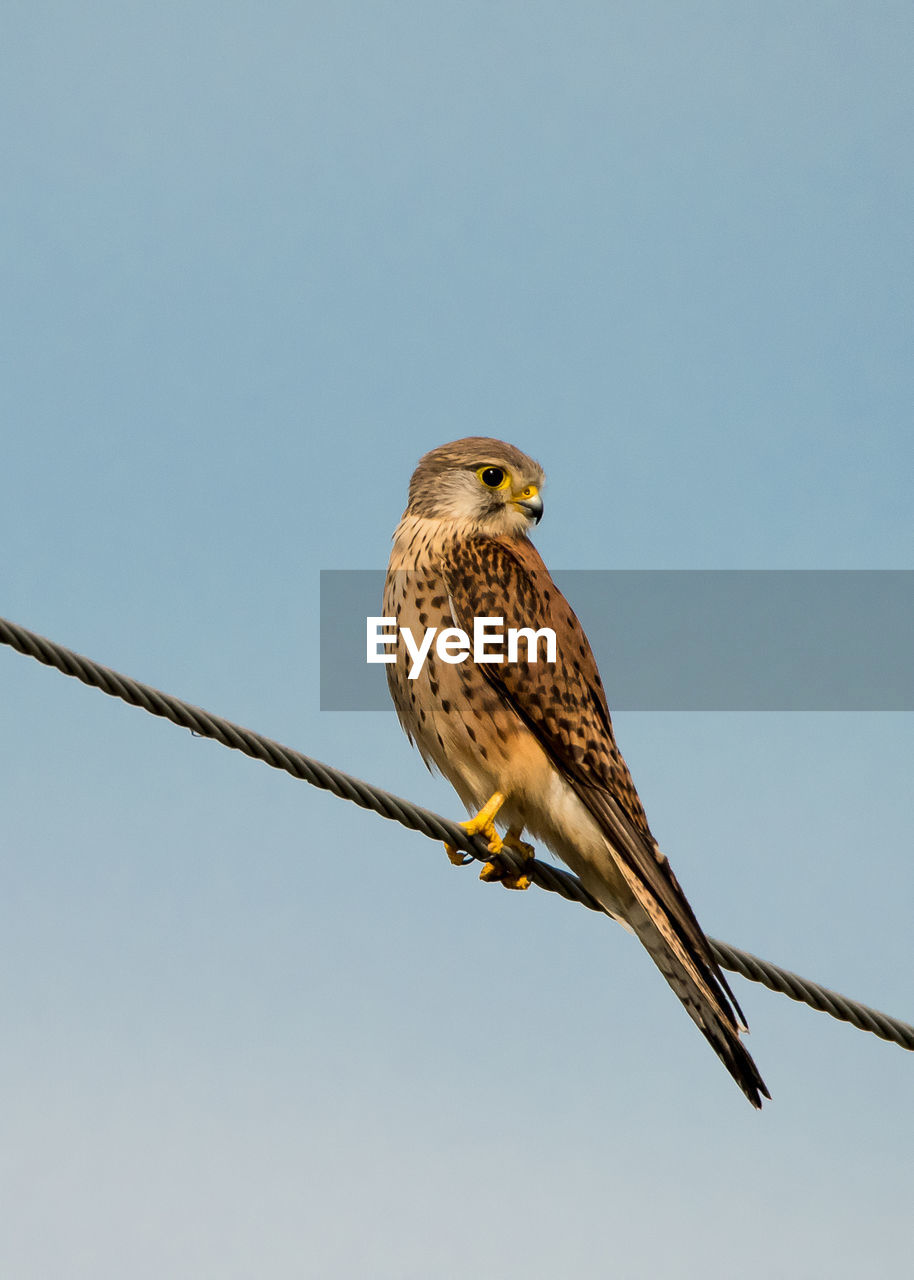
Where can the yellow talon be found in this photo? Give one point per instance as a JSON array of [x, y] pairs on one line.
[[484, 824], [513, 841], [491, 871]]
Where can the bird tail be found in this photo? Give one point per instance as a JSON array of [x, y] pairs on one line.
[[703, 991]]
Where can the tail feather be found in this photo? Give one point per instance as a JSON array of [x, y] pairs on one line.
[[658, 911], [708, 1008]]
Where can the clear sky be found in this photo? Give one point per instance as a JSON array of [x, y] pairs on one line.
[[256, 259]]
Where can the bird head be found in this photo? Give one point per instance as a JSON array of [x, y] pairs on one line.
[[479, 483]]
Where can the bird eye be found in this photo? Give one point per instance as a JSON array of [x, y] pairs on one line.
[[492, 477]]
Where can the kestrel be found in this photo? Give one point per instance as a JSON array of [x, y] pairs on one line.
[[530, 744]]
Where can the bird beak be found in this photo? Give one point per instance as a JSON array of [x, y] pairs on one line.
[[531, 504]]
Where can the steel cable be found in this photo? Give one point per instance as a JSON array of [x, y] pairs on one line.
[[544, 874]]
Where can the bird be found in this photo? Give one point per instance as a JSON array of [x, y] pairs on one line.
[[528, 745]]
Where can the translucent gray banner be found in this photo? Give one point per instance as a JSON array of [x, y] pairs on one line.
[[689, 640]]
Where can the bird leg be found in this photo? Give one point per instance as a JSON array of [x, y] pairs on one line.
[[482, 824], [492, 870]]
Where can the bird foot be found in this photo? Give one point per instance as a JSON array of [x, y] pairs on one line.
[[513, 841], [496, 871], [482, 824]]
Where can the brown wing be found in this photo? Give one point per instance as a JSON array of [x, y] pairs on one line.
[[564, 705]]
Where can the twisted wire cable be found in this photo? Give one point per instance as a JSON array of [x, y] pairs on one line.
[[327, 778]]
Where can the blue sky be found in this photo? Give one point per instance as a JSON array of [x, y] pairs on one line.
[[257, 260]]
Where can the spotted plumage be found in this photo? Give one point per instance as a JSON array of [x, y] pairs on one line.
[[530, 741]]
